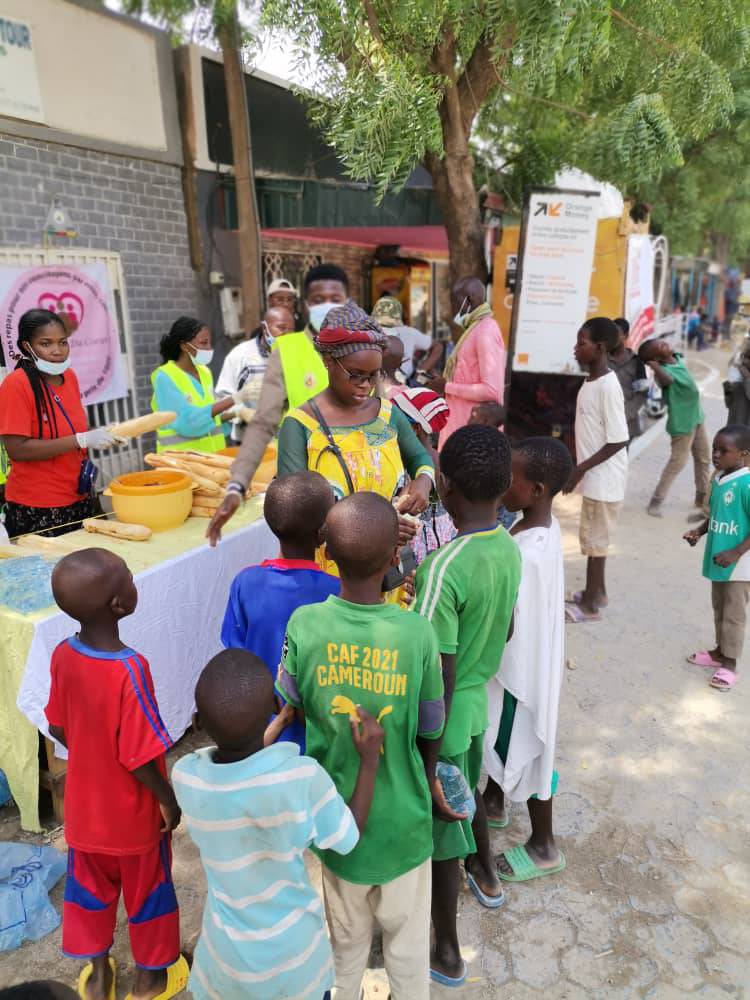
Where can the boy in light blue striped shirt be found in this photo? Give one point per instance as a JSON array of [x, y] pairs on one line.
[[252, 809]]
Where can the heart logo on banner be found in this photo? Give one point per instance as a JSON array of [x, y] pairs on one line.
[[67, 305]]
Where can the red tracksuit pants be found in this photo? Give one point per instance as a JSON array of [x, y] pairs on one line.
[[92, 892]]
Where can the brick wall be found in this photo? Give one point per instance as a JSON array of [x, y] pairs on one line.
[[355, 260], [129, 205]]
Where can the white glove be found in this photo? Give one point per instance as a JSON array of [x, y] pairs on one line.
[[97, 437]]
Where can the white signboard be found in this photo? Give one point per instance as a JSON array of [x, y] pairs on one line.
[[20, 96], [558, 254], [639, 290]]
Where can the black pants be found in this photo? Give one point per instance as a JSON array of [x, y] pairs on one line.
[[48, 521]]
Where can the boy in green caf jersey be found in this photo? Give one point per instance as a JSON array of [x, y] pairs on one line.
[[726, 561], [468, 590], [354, 651]]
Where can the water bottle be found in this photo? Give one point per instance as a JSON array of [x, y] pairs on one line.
[[456, 789]]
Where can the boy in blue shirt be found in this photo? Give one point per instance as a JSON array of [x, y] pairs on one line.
[[262, 598], [726, 561]]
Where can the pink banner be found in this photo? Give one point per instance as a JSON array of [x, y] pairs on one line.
[[81, 297]]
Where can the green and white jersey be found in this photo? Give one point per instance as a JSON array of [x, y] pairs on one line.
[[468, 590], [728, 526]]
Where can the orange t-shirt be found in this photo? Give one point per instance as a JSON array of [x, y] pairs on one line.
[[54, 481]]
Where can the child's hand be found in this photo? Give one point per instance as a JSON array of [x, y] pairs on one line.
[[407, 529], [440, 805], [172, 814], [410, 591], [727, 558], [276, 727], [575, 477], [692, 537], [368, 735]]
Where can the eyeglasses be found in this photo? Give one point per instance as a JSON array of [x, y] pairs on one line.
[[358, 378]]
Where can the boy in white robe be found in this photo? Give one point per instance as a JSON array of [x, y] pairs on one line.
[[524, 695]]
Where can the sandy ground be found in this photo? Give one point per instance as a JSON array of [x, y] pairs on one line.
[[653, 803]]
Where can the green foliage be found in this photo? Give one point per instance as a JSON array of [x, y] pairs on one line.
[[198, 20]]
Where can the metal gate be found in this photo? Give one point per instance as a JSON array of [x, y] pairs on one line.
[[130, 456], [290, 264]]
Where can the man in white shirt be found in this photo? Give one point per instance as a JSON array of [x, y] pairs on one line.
[[601, 432], [390, 314], [245, 365]]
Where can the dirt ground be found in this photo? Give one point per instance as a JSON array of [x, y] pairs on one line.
[[653, 803]]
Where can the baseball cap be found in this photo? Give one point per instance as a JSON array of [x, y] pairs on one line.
[[388, 311], [280, 285]]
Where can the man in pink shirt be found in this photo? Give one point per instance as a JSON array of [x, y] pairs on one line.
[[475, 371]]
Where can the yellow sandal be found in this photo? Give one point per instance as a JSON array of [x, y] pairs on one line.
[[177, 978], [86, 973]]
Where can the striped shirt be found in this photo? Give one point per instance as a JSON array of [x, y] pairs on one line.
[[264, 933]]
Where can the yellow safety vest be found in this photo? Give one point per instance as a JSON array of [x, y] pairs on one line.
[[4, 466], [167, 438], [305, 375]]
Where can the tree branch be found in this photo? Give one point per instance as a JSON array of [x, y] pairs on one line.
[[541, 100], [476, 82], [372, 20], [645, 33]]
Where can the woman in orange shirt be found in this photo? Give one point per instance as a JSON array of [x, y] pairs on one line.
[[43, 428]]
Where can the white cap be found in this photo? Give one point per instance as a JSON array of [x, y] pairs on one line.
[[280, 285]]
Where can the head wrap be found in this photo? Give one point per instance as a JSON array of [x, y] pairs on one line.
[[423, 407], [347, 329]]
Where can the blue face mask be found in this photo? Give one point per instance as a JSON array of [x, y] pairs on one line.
[[50, 367], [318, 313], [267, 335]]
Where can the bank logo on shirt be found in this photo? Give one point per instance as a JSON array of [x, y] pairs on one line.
[[729, 497]]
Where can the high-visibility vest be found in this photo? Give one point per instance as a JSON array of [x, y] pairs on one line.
[[305, 375], [167, 438], [4, 466]]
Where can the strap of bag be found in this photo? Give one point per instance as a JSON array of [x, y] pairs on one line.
[[332, 446]]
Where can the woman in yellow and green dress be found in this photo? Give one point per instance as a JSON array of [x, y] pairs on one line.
[[356, 440]]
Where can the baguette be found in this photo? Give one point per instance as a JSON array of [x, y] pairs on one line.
[[13, 552], [201, 499], [206, 458], [166, 462], [117, 529], [220, 476], [142, 425], [202, 512]]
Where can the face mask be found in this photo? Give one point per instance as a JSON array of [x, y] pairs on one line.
[[318, 313], [50, 367], [267, 335], [460, 316], [201, 357]]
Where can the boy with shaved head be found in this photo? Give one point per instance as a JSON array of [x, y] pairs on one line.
[[353, 651], [119, 806]]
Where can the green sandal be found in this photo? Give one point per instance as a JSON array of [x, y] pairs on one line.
[[524, 867], [499, 824]]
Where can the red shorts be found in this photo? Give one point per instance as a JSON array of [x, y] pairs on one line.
[[92, 892]]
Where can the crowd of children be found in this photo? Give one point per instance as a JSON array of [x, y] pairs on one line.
[[333, 715]]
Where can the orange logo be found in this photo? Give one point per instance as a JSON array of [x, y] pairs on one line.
[[549, 208]]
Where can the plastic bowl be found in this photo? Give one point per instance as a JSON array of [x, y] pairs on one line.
[[161, 499]]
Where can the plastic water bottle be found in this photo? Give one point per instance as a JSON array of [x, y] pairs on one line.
[[456, 789]]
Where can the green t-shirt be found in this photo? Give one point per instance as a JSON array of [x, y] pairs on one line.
[[338, 655], [468, 590], [683, 399], [728, 525]]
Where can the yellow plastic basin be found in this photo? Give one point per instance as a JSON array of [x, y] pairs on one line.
[[160, 498]]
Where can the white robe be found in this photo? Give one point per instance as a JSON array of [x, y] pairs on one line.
[[531, 670]]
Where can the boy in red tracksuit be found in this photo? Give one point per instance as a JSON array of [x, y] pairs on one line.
[[119, 806]]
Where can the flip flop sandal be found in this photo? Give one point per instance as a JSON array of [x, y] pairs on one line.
[[450, 981], [575, 615], [524, 867], [723, 679], [704, 659], [490, 902], [577, 596], [177, 978], [87, 972], [499, 824]]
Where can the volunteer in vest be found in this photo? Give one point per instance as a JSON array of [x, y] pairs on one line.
[[294, 374], [475, 371], [43, 428], [242, 373], [184, 383]]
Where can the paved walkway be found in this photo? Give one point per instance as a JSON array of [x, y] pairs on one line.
[[652, 811]]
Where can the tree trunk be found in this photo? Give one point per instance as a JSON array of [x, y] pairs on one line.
[[453, 180], [247, 210]]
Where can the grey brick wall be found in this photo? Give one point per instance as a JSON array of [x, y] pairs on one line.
[[130, 205]]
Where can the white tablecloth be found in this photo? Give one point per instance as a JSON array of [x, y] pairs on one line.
[[176, 625]]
